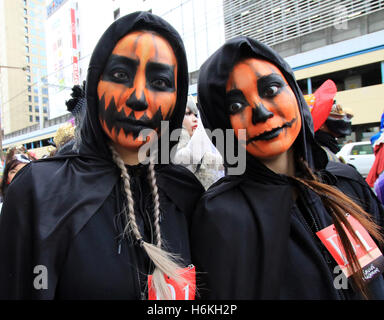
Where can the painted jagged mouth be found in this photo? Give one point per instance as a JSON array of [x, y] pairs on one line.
[[268, 135], [137, 123], [112, 118]]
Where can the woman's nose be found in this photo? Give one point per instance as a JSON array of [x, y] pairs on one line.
[[260, 113], [135, 103]]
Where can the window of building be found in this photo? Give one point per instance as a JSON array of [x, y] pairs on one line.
[[36, 99], [45, 118], [30, 118], [361, 76], [30, 108], [28, 78], [46, 142], [30, 98], [45, 109], [26, 39], [29, 88], [36, 108], [25, 3], [193, 76], [45, 100], [44, 90], [303, 84], [25, 11], [25, 20], [33, 32], [26, 49], [37, 118], [26, 29], [27, 59]]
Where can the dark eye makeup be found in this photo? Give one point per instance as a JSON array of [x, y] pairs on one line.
[[160, 77], [235, 101], [121, 70], [269, 86]]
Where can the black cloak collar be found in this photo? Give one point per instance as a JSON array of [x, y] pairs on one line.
[[213, 77]]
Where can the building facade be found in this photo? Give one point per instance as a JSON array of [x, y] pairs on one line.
[[338, 40], [23, 61]]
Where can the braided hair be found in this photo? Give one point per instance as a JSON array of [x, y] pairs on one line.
[[165, 263]]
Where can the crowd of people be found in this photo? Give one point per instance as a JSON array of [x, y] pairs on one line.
[[105, 225]]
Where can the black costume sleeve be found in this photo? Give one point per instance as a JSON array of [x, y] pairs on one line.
[[44, 210], [17, 241]]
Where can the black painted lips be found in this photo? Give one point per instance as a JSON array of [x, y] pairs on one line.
[[268, 135]]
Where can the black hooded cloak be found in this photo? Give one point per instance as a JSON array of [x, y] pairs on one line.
[[64, 213], [249, 238]]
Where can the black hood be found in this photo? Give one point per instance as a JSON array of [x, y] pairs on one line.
[[92, 135], [213, 77]]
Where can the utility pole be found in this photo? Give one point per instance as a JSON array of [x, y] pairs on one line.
[[40, 88]]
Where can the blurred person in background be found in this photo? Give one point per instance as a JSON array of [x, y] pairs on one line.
[[196, 151], [381, 130], [375, 178], [64, 139], [13, 165], [337, 125]]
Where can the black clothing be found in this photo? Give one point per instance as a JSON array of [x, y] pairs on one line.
[[340, 127], [327, 140], [249, 238], [65, 212]]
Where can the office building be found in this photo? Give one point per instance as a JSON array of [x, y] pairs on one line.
[[23, 61]]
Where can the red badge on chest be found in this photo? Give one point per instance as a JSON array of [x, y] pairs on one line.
[[370, 258], [178, 292]]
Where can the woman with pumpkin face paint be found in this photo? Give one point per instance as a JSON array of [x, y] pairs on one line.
[[100, 224], [258, 235]]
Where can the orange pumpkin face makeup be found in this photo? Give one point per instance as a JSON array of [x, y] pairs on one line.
[[260, 101], [137, 89]]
